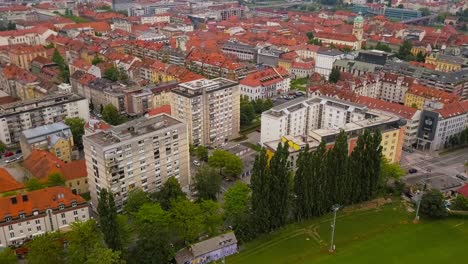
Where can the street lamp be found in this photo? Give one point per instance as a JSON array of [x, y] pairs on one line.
[[335, 209], [416, 218]]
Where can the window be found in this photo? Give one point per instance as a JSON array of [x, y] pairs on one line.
[[8, 218], [63, 215], [61, 206], [12, 235], [39, 228], [10, 227], [75, 212], [73, 204], [38, 222], [64, 222], [76, 218]]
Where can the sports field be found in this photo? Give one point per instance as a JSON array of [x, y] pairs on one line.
[[382, 235]]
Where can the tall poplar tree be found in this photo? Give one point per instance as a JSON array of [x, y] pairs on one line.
[[303, 174], [338, 169], [320, 192], [260, 193], [279, 185], [108, 220]]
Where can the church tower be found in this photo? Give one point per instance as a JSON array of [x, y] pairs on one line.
[[358, 29]]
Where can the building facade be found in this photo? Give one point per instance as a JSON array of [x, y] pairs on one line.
[[142, 153], [23, 115], [34, 213], [210, 108], [265, 84]]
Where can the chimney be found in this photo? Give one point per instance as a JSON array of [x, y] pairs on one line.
[[13, 200], [25, 198]]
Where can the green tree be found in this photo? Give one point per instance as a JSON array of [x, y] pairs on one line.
[[425, 11], [83, 239], [390, 171], [279, 185], [153, 244], [400, 6], [432, 204], [260, 184], [2, 147], [111, 115], [55, 179], [383, 47], [11, 25], [460, 203], [112, 74], [136, 199], [8, 256], [96, 60], [76, 125], [169, 192], [207, 182], [334, 75], [108, 220], [247, 111], [58, 59], [310, 35], [337, 170], [404, 52], [33, 184], [187, 219], [212, 216], [414, 105], [101, 255], [236, 208], [420, 57], [226, 162], [202, 153], [303, 201], [46, 248]]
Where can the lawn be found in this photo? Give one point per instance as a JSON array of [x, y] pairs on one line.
[[384, 235], [299, 84]]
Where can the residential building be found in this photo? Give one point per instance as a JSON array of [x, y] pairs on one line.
[[56, 138], [265, 83], [142, 153], [410, 114], [162, 93], [393, 87], [8, 184], [30, 214], [455, 82], [210, 108], [302, 69], [306, 51], [322, 118], [325, 60], [40, 164], [18, 116], [356, 68], [241, 51], [420, 96], [438, 126], [269, 56], [209, 250], [95, 125], [31, 36], [445, 63], [22, 55]]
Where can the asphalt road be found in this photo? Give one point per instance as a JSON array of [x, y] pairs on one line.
[[438, 171], [3, 160]]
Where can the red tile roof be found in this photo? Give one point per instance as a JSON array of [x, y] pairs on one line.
[[159, 110], [8, 183], [99, 26], [39, 200], [463, 190], [266, 77], [336, 36], [432, 93], [453, 109], [41, 164], [398, 109]]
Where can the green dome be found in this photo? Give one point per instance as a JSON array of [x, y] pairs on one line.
[[359, 19]]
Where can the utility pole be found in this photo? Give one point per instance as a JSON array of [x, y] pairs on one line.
[[416, 218], [335, 209]]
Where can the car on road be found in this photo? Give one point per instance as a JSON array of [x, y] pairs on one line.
[[461, 177], [196, 163], [8, 154], [412, 170], [19, 151], [10, 160]]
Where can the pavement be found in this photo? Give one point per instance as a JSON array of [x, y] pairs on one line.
[[438, 171]]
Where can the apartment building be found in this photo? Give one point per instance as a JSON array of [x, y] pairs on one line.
[[325, 59], [19, 116], [241, 51], [22, 55], [31, 36], [210, 108], [142, 153], [265, 84], [420, 96], [30, 214], [322, 118], [56, 138], [393, 87], [437, 126]]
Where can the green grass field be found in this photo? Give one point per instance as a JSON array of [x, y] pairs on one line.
[[384, 235]]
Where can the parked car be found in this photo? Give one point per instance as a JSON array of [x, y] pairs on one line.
[[20, 157], [9, 154], [412, 170], [19, 151], [196, 163], [461, 177], [10, 160]]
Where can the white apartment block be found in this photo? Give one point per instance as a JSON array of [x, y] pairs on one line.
[[18, 116], [31, 36], [26, 215], [142, 153], [299, 117], [265, 84], [210, 108], [393, 87], [324, 61], [438, 126]]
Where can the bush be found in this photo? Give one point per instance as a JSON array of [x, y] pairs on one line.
[[432, 205]]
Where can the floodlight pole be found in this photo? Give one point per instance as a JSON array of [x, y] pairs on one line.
[[335, 209]]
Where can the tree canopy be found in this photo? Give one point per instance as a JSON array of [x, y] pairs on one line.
[[111, 115], [76, 125], [207, 182]]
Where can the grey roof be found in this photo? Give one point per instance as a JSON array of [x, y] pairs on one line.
[[45, 130], [289, 104], [213, 244], [329, 52], [358, 65], [423, 73]]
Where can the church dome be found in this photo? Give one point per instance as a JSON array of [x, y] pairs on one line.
[[359, 19]]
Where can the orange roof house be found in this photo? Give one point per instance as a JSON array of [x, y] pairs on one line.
[[41, 164], [8, 183]]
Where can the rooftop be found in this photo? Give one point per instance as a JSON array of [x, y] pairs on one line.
[[45, 130], [8, 183], [134, 128]]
